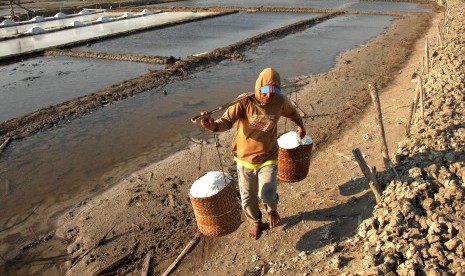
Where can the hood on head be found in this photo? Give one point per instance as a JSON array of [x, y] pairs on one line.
[[268, 76]]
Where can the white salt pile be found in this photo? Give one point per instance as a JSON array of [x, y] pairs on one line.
[[209, 184], [85, 12], [37, 19], [291, 140], [7, 23], [145, 12], [60, 15], [103, 19], [127, 15], [76, 23], [35, 30]]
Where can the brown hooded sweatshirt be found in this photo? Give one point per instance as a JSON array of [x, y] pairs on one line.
[[255, 142]]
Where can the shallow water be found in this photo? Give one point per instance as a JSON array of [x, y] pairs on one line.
[[34, 43], [32, 84], [200, 36], [319, 4]]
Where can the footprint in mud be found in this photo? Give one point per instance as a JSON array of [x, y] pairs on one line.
[[194, 103], [173, 114], [30, 78], [61, 73]]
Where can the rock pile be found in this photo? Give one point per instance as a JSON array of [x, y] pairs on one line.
[[419, 226]]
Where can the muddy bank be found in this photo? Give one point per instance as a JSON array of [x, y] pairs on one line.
[[165, 185], [111, 56]]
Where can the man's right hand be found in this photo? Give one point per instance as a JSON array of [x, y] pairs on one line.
[[208, 122]]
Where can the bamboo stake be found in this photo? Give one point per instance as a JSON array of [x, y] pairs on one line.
[[422, 66], [5, 144], [12, 11], [374, 185], [361, 162], [369, 175], [384, 147], [441, 43], [427, 56], [421, 92], [409, 120], [181, 255], [353, 106], [416, 98], [146, 266], [7, 187], [34, 234]]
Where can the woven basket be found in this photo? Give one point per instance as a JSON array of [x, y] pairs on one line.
[[218, 215], [293, 164]]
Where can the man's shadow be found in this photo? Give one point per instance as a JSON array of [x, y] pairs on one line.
[[344, 219]]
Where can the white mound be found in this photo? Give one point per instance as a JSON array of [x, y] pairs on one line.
[[76, 23], [85, 12], [37, 19], [127, 15], [103, 19], [7, 23], [36, 30], [291, 140], [60, 15], [209, 184], [145, 12]]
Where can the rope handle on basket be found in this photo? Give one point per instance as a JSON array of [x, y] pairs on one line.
[[217, 151], [294, 91]]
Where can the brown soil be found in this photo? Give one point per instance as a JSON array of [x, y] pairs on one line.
[[149, 212]]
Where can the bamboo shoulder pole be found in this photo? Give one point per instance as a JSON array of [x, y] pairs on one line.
[[384, 148]]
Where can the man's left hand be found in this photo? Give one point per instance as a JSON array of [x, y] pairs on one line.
[[301, 131]]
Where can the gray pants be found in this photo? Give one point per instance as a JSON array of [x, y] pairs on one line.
[[255, 186]]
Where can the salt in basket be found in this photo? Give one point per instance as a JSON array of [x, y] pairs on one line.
[[294, 163], [219, 214]]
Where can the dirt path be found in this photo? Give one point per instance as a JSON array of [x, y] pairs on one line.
[[150, 211]]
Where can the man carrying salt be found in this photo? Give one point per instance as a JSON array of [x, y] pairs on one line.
[[255, 146]]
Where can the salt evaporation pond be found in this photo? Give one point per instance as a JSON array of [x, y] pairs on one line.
[[34, 43], [40, 82], [319, 4], [55, 23], [200, 36]]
